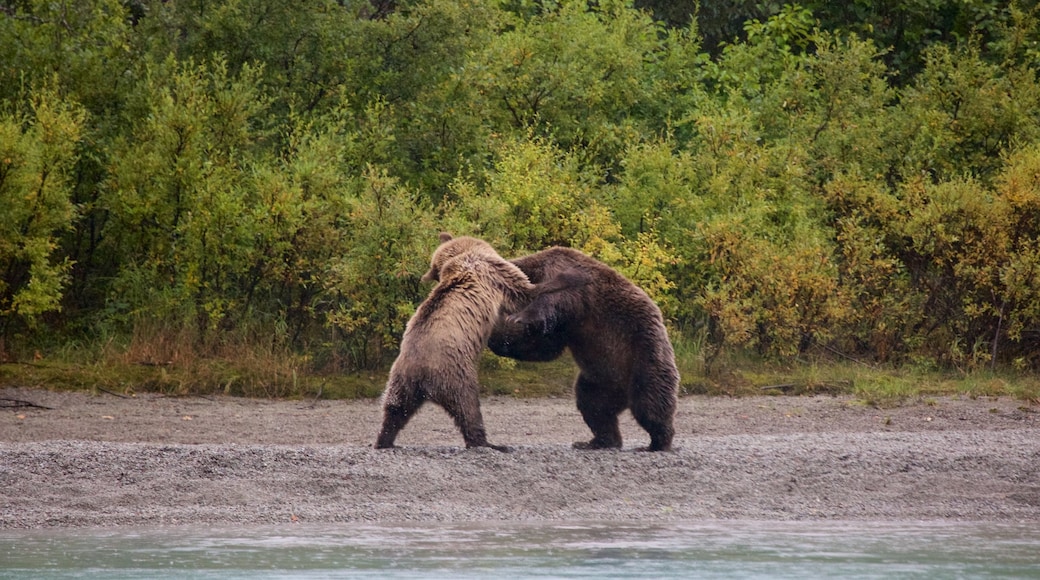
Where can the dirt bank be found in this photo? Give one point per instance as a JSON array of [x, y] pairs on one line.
[[104, 460]]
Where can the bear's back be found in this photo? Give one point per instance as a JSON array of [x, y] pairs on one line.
[[614, 311], [457, 317], [607, 289]]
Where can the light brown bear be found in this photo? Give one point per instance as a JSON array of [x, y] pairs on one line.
[[444, 338]]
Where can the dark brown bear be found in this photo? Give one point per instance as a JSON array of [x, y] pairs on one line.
[[617, 337], [444, 338]]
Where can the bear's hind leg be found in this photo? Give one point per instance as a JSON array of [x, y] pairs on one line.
[[600, 410], [654, 409], [660, 430], [464, 408], [398, 408]]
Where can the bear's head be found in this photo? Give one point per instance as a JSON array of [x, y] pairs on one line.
[[452, 247]]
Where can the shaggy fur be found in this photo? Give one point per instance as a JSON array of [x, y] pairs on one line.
[[617, 337], [443, 340]]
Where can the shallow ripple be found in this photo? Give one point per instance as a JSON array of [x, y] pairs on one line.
[[703, 549]]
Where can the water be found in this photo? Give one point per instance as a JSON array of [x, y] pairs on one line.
[[708, 549]]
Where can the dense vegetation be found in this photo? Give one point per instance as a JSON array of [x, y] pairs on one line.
[[207, 178]]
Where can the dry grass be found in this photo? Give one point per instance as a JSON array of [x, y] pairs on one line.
[[168, 364]]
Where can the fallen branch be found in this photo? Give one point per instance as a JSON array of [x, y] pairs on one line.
[[837, 385], [321, 390], [851, 358], [114, 394], [6, 403]]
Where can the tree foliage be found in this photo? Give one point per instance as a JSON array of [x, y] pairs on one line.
[[857, 178], [38, 143]]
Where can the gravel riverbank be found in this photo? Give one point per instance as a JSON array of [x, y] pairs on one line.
[[153, 460]]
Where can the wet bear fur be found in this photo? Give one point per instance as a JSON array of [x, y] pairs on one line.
[[444, 338], [616, 335]]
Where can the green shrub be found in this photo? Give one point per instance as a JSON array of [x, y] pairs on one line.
[[38, 152]]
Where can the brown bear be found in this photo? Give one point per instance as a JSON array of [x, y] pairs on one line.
[[616, 335], [444, 338]]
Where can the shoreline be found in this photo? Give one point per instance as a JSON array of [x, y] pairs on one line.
[[154, 460]]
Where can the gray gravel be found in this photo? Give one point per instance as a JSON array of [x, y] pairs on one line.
[[108, 461]]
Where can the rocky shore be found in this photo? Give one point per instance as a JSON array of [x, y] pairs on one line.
[[151, 460]]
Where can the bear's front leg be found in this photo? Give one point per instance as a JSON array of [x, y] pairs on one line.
[[599, 408], [526, 343]]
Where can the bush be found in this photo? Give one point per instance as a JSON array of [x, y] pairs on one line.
[[38, 151], [225, 174]]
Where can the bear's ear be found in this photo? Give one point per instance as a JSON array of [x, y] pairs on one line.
[[445, 237]]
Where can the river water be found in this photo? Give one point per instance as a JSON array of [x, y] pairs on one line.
[[702, 549]]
